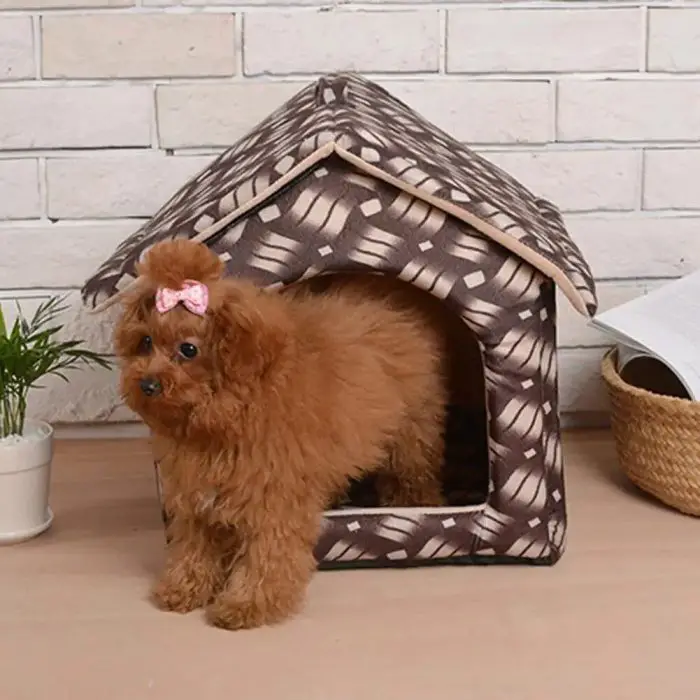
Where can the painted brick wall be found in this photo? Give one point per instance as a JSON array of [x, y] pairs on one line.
[[107, 106]]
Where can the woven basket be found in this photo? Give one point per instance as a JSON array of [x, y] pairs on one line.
[[657, 439]]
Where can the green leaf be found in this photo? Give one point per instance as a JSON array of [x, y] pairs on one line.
[[32, 350]]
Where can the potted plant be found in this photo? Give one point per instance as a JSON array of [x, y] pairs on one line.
[[29, 351]]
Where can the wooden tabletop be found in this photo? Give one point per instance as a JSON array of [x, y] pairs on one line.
[[618, 617]]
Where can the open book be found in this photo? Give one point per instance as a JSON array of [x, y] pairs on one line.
[[663, 324]]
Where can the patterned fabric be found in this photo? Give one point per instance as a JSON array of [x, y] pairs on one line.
[[344, 177], [360, 121], [339, 219]]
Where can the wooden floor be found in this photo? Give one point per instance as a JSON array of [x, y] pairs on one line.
[[617, 618]]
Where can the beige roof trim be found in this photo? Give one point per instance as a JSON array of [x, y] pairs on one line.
[[318, 155], [525, 253], [508, 242]]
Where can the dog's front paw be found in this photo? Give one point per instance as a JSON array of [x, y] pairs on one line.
[[234, 613], [173, 597]]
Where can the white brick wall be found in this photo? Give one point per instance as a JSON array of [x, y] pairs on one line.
[[402, 41], [113, 186], [42, 116], [542, 40], [661, 109], [16, 48], [673, 40], [107, 106], [19, 189], [137, 46]]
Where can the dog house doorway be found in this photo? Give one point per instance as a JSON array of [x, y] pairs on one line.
[[465, 468]]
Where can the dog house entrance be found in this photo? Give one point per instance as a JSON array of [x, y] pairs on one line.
[[465, 468]]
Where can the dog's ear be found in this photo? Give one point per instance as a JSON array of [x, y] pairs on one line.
[[249, 329], [138, 298], [135, 305], [169, 263]]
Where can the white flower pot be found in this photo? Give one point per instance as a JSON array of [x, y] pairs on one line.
[[25, 473]]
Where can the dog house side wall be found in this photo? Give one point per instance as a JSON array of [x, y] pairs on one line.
[[526, 503], [552, 446]]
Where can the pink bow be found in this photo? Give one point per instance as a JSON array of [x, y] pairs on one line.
[[193, 295]]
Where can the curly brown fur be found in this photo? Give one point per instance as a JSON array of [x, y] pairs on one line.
[[289, 397]]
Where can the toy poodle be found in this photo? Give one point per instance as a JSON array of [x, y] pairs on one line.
[[269, 403]]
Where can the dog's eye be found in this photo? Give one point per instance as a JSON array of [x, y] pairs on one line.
[[146, 344], [188, 351]]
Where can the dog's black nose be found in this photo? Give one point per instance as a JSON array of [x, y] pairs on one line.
[[150, 387]]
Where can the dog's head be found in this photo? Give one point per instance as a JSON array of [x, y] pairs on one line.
[[186, 334]]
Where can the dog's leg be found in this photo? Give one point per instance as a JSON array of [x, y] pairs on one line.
[[195, 569], [275, 564], [411, 474]]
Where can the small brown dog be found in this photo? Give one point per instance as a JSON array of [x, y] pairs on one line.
[[270, 402]]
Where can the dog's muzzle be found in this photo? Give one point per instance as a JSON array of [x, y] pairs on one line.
[[150, 386]]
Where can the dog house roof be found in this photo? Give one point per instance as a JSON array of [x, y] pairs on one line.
[[359, 121]]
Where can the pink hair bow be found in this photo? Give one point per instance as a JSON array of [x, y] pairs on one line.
[[193, 295]]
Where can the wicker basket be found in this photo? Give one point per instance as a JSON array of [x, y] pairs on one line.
[[657, 439]]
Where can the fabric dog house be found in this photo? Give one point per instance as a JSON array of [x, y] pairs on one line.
[[346, 178]]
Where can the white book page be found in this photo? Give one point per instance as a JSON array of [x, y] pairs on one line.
[[664, 323]]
